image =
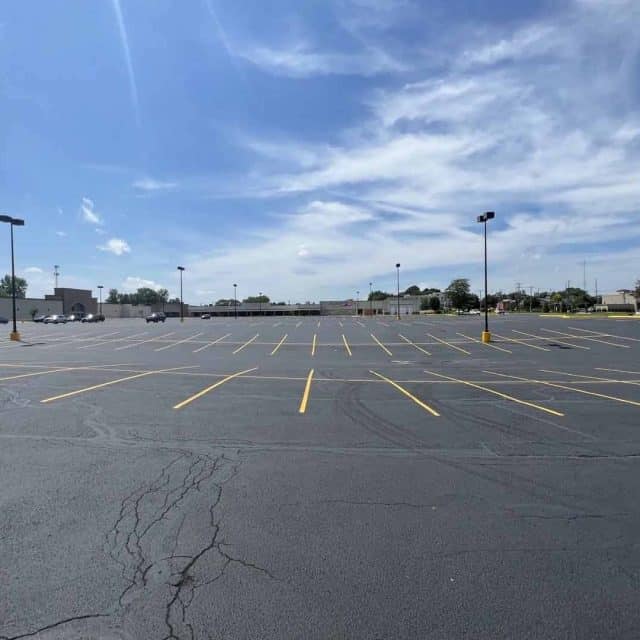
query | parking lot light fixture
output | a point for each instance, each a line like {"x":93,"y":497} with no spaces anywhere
{"x":398,"y":283}
{"x":13,"y":222}
{"x":100,"y":288}
{"x":181,"y":269}
{"x":370,"y":299}
{"x":235,"y":301}
{"x":484,"y":218}
{"x":260,"y":304}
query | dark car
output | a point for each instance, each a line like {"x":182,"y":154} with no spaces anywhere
{"x":4,"y":320}
{"x":93,"y":317}
{"x":75,"y":317}
{"x":156,"y":317}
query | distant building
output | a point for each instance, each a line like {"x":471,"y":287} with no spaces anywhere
{"x":622,"y":300}
{"x":74,"y":300}
{"x":26,"y":308}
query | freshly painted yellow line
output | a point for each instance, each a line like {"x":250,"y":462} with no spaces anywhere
{"x":175,"y":344}
{"x":107,"y":384}
{"x":497,"y":393}
{"x":598,"y":334}
{"x":305,"y":394}
{"x":210,"y":344}
{"x":568,"y":335}
{"x":129,"y":346}
{"x":561,"y":386}
{"x":381,"y":345}
{"x":486,"y":344}
{"x":413,"y":344}
{"x":419,"y":402}
{"x":578,"y":375}
{"x":189,"y":400}
{"x":246,"y":344}
{"x":449,"y":344}
{"x":568,"y":344}
{"x":522,"y":342}
{"x":284,"y":337}
{"x":313,"y":345}
{"x":346,"y":344}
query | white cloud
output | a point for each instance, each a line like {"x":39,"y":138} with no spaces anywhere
{"x":149,"y":184}
{"x":117,"y":246}
{"x":33,"y":270}
{"x":133,"y":283}
{"x":88,"y":212}
{"x":61,"y":234}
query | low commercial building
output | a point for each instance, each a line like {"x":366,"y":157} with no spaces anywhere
{"x":74,"y":300}
{"x":110,"y":310}
{"x":27,"y":308}
{"x":622,"y":300}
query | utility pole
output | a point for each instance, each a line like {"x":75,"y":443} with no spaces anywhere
{"x":56,"y":273}
{"x":584,"y":275}
{"x":530,"y":298}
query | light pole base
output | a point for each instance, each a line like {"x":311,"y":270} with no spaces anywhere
{"x":15,"y":335}
{"x":486,"y":336}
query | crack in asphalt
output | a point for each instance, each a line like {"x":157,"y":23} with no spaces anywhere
{"x":53,"y":625}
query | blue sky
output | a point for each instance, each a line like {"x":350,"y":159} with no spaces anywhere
{"x":302,"y":148}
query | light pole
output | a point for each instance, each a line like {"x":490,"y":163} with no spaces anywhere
{"x":181,"y":269}
{"x":398,"y":282}
{"x":235,"y":301}
{"x":260,"y":304}
{"x":56,"y":273}
{"x":357,"y":300}
{"x":13,"y":222}
{"x":100,"y":287}
{"x":370,"y":299}
{"x":489,"y":215}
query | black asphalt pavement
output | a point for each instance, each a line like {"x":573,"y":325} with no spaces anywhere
{"x":320,"y":478}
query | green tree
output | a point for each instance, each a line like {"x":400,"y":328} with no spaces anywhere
{"x":378,"y":295}
{"x":224,"y":302}
{"x":434,"y":303}
{"x":413,"y":290}
{"x":458,"y":293}
{"x":264,"y":299}
{"x":6,"y":288}
{"x":113,"y":297}
{"x":429,"y":290}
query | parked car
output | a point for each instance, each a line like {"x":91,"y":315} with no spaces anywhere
{"x":4,"y":320}
{"x":474,"y":312}
{"x":75,"y":317}
{"x":156,"y":317}
{"x":205,"y":316}
{"x":56,"y":319}
{"x":40,"y":318}
{"x":93,"y":317}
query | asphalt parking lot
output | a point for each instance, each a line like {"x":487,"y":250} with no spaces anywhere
{"x":321,"y":478}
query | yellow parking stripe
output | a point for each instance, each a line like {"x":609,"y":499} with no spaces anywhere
{"x":210,"y":344}
{"x":453,"y":346}
{"x":402,"y":390}
{"x":486,"y":344}
{"x":568,"y":335}
{"x":597,"y":334}
{"x":135,"y":344}
{"x":578,"y":375}
{"x":206,"y":390}
{"x":107,"y":384}
{"x":413,"y":344}
{"x":522,"y":342}
{"x":305,"y":394}
{"x":346,"y":345}
{"x":497,"y":393}
{"x":175,"y":344}
{"x":561,"y":386}
{"x":246,"y":344}
{"x":568,"y":344}
{"x":313,"y":345}
{"x":39,"y":373}
{"x":381,"y":345}
{"x":284,"y":337}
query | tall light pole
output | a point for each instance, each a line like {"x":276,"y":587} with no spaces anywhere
{"x":489,"y":215}
{"x":357,"y":300}
{"x":13,"y":222}
{"x":260,"y":304}
{"x":235,"y":301}
{"x":398,"y":282}
{"x":370,"y":299}
{"x":100,"y":287}
{"x":56,"y":273}
{"x":181,"y":269}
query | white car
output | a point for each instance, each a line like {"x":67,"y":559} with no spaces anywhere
{"x":474,"y":312}
{"x":56,"y":319}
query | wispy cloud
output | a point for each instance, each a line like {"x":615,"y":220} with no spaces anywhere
{"x":150,"y":184}
{"x":88,"y":212}
{"x":33,"y":270}
{"x":124,"y":39}
{"x":133,"y":283}
{"x":61,"y":234}
{"x":117,"y":246}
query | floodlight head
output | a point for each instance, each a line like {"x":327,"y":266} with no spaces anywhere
{"x":17,"y":222}
{"x":397,"y":265}
{"x":4,"y":218}
{"x":180,"y":268}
